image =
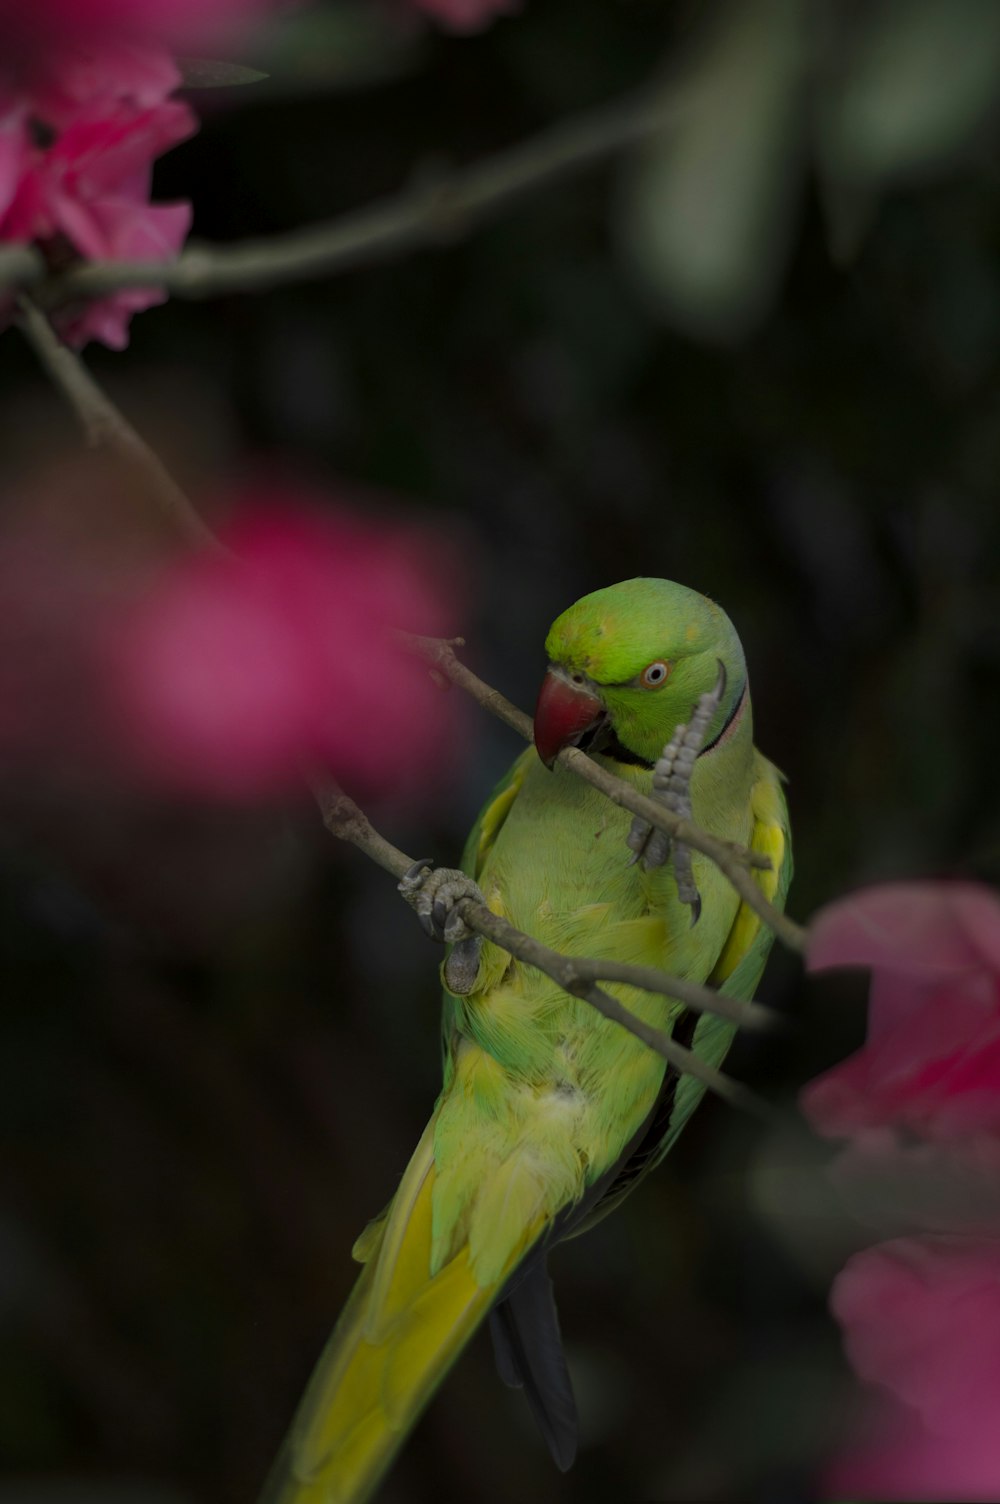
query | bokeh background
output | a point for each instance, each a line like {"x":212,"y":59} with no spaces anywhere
{"x":758,"y":354}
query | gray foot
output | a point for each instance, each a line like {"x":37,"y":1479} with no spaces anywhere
{"x":434,"y":895}
{"x":672,"y":788}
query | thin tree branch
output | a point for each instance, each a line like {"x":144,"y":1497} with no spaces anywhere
{"x":104,"y":425}
{"x":731,"y":859}
{"x":576,"y":975}
{"x":21,"y":266}
{"x":425,"y":214}
{"x":694,"y":995}
{"x":348,"y":822}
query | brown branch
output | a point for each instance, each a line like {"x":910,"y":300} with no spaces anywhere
{"x":103,"y":423}
{"x":425,"y":214}
{"x":733,"y":860}
{"x":104,"y":426}
{"x":695,"y":995}
{"x":439,"y":652}
{"x":21,"y":266}
{"x":576,"y":975}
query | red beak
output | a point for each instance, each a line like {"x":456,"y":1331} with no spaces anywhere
{"x":563,"y":713}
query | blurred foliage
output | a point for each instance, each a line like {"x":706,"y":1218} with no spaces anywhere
{"x":760,"y":356}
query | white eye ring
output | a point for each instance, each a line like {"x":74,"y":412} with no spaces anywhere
{"x":654,"y":674}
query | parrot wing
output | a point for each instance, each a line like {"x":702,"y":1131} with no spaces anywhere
{"x":736,"y":973}
{"x":493,"y":814}
{"x":524,"y":1323}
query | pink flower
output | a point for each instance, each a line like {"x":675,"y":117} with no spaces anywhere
{"x":233,"y":676}
{"x":920,"y":1104}
{"x":86,"y":191}
{"x":921,"y":1319}
{"x":15,"y":150}
{"x":466,"y":15}
{"x":931,"y":1062}
{"x":99,"y":78}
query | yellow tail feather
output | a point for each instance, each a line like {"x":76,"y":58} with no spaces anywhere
{"x":396,"y":1339}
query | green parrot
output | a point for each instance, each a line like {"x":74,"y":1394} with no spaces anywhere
{"x":549,"y":1113}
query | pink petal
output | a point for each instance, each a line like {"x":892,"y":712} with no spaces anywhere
{"x":15,"y":152}
{"x":933,"y":1069}
{"x":977,"y":909}
{"x":917,"y":930}
{"x":142,"y":232}
{"x":77,"y":220}
{"x":107,"y":319}
{"x":101,"y":154}
{"x":931,"y":1062}
{"x":899,"y":1459}
{"x":921,"y":1316}
{"x":100,"y":77}
{"x":29,"y":29}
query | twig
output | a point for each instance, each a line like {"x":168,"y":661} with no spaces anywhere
{"x":425,"y":214}
{"x":344,"y":819}
{"x":348,"y":822}
{"x":732,"y":859}
{"x":576,"y":975}
{"x":21,"y":266}
{"x":694,"y":995}
{"x":439,"y":652}
{"x":104,"y":425}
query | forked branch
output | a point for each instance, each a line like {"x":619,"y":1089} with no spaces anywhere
{"x":577,"y":975}
{"x":733,"y":860}
{"x":428,"y":213}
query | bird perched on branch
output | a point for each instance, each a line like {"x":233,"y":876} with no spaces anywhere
{"x":550,"y":1113}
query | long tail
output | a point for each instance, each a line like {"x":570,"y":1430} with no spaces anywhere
{"x":396,"y":1339}
{"x":529,"y":1354}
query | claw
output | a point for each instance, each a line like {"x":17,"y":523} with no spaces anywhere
{"x":435,"y":894}
{"x":413,"y":877}
{"x":427,"y":924}
{"x":672,"y":787}
{"x":462,"y":966}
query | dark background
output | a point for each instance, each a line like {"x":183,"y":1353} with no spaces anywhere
{"x":221,"y":1030}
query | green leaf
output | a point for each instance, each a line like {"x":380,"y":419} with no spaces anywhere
{"x":342,"y":45}
{"x":707,"y":206}
{"x":208,"y":73}
{"x":920,"y":81}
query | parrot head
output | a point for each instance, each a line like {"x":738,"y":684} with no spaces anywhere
{"x":628,"y":663}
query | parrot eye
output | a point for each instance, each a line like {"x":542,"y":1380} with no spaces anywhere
{"x":655,"y":674}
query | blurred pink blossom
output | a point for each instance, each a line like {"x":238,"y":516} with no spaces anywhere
{"x":32,"y":28}
{"x":920,"y":1106}
{"x":234,"y":675}
{"x":921,"y":1319}
{"x":76,"y":160}
{"x":931,"y":1062}
{"x":98,"y":78}
{"x":466,"y":15}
